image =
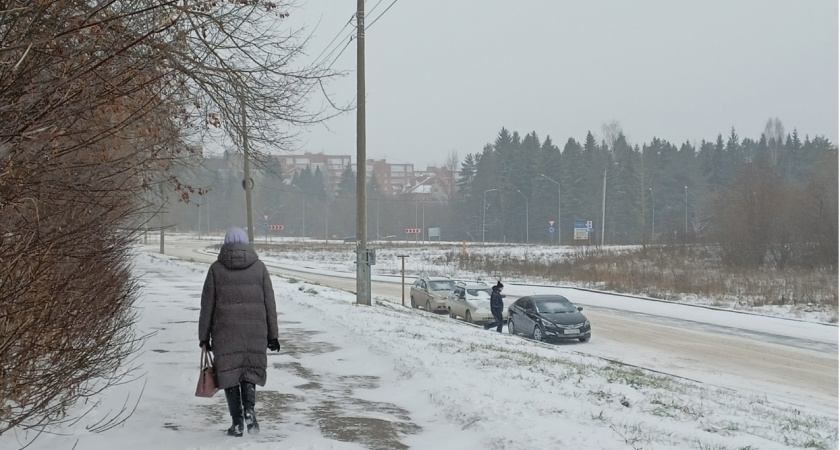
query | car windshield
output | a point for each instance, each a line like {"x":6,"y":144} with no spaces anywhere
{"x":555,"y":306}
{"x":480,"y":293}
{"x":441,"y":285}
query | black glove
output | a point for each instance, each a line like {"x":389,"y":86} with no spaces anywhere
{"x":205,"y":344}
{"x":274,"y":345}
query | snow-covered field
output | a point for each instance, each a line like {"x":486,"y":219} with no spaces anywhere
{"x":386,"y":376}
{"x":435,"y":259}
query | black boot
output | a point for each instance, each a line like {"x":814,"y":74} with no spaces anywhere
{"x":249,"y":399}
{"x":234,"y":401}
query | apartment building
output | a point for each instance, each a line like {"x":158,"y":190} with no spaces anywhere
{"x":331,"y":166}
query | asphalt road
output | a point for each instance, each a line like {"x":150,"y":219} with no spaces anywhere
{"x":785,"y":369}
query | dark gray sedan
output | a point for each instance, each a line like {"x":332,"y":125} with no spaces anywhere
{"x":548,"y":317}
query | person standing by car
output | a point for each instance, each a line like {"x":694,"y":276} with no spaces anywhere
{"x":496,"y":307}
{"x":238,"y":318}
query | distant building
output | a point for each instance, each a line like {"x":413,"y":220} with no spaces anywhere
{"x":331,"y":166}
{"x":433,"y":184}
{"x":392,"y":178}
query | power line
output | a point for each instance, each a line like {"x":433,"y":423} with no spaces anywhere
{"x":349,"y":21}
{"x":374,"y":7}
{"x":379,"y":16}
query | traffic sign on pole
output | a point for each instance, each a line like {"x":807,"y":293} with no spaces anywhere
{"x":551,"y":229}
{"x":551,"y":223}
{"x":275,"y":227}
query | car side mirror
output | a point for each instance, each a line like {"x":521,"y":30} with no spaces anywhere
{"x":462,"y":297}
{"x":580,"y":308}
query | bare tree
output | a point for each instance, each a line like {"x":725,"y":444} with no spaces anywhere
{"x":612,"y":131}
{"x":745,"y":214}
{"x":774,"y":132}
{"x":99,"y":104}
{"x":451,"y":164}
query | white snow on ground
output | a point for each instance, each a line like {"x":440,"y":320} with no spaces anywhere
{"x":441,"y":384}
{"x":435,"y":258}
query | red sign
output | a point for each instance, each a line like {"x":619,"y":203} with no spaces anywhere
{"x":412,"y":231}
{"x":275,"y":227}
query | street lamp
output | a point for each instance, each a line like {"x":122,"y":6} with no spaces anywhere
{"x":686,"y":215}
{"x":604,"y":208}
{"x":653,"y":220}
{"x":559,"y":221}
{"x":526,"y":215}
{"x":423,"y":230}
{"x":303,"y":234}
{"x":484,"y":213}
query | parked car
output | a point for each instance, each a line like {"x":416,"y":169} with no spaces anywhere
{"x":471,"y":300}
{"x":430,"y":293}
{"x":548,"y":317}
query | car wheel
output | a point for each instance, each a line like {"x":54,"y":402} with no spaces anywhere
{"x":412,"y":303}
{"x":451,"y":316}
{"x":468,"y":317}
{"x":584,"y":339}
{"x":428,"y":306}
{"x":538,"y":334}
{"x":510,"y":327}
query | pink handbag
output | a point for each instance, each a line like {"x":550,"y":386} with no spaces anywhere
{"x":207,"y":386}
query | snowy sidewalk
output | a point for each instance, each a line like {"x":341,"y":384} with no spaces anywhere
{"x":318,"y":394}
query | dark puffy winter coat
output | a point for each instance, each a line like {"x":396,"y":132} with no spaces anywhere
{"x":496,"y":301}
{"x":238,"y":314}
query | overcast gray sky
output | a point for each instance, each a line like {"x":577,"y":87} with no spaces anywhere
{"x":446,"y":75}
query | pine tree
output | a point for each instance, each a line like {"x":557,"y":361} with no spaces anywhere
{"x":347,"y":185}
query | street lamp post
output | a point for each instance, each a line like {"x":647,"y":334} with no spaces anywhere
{"x":526,"y":215}
{"x":686,"y":215}
{"x":423,"y":231}
{"x":604,"y":208}
{"x":303,"y":233}
{"x":559,"y":220}
{"x":653,"y":220}
{"x":484,"y":213}
{"x":326,"y":218}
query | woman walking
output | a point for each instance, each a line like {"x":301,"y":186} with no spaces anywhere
{"x":239,"y":320}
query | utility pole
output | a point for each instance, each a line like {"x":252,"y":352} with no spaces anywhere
{"x":165,"y":199}
{"x":247,"y":183}
{"x":364,"y":258}
{"x":162,"y":226}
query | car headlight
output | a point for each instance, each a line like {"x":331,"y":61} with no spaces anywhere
{"x":586,"y":324}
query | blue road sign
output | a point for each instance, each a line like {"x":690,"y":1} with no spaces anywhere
{"x":265,"y":225}
{"x":551,"y":229}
